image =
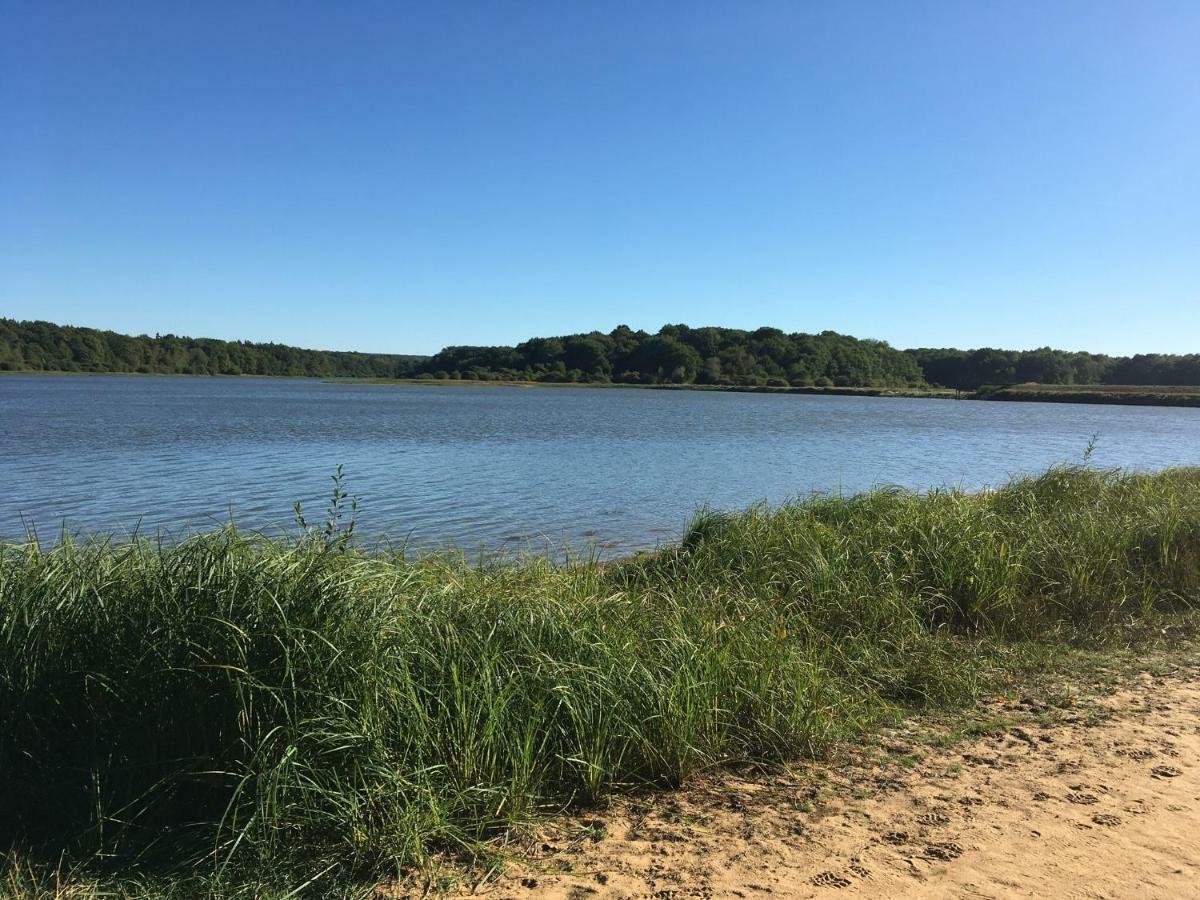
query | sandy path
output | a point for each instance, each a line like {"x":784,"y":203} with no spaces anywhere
{"x":1086,"y":806}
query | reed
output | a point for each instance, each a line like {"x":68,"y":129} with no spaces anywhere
{"x":231,"y":713}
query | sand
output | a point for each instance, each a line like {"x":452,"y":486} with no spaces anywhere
{"x":1102,"y":801}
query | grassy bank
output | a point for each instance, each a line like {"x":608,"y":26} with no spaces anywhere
{"x":939,"y":393}
{"x":1140,"y":395}
{"x":1133,"y":394}
{"x":234,"y":715}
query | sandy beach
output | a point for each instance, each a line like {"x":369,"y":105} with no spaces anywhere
{"x":1096,"y":801}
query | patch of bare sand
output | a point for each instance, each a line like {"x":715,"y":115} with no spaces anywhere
{"x":1087,"y":806}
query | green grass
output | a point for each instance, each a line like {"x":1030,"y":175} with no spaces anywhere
{"x":235,"y":716}
{"x":1137,"y":394}
{"x":917,"y":392}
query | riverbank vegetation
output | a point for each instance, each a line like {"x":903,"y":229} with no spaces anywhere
{"x":46,"y":347}
{"x":676,"y":355}
{"x":970,"y":370}
{"x":1141,"y":395}
{"x":919,"y":392}
{"x":230,"y":715}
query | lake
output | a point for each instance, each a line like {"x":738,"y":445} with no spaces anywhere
{"x":503,"y":467}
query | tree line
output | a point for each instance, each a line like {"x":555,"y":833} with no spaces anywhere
{"x":46,"y":347}
{"x":676,"y":354}
{"x":970,"y":370}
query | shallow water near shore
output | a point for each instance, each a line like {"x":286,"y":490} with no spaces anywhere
{"x":486,"y":468}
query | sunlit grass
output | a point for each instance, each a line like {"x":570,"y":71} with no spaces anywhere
{"x":232,"y":713}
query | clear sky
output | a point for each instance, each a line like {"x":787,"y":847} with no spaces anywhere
{"x":391,"y":176}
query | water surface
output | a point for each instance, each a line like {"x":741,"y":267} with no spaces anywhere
{"x":495,"y":467}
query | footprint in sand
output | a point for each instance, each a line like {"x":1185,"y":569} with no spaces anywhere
{"x":1140,"y":755}
{"x":1083,"y":799}
{"x":1107,"y":819}
{"x":933,"y":818}
{"x":1166,"y":772}
{"x":896,"y":837}
{"x":945,"y":851}
{"x":860,"y":871}
{"x":830,"y":879}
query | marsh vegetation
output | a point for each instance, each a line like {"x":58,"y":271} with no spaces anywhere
{"x":234,"y":714}
{"x":1128,"y":394}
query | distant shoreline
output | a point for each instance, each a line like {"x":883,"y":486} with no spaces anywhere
{"x":1108,"y":394}
{"x":938,"y":393}
{"x":1131,"y":395}
{"x":926,"y":393}
{"x":58,"y":373}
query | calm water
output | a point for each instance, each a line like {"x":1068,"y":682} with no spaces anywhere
{"x":504,"y":467}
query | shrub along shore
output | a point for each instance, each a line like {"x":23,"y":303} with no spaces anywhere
{"x":1125,"y":394}
{"x":231,"y":714}
{"x":921,"y":392}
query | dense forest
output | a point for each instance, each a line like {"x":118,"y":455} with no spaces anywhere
{"x":677,"y":354}
{"x":681,"y":355}
{"x":45,"y":347}
{"x":768,"y":356}
{"x":969,"y":370}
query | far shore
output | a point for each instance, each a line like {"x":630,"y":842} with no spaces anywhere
{"x":1141,"y":395}
{"x":1117,"y":394}
{"x":1120,"y":394}
{"x":61,"y":373}
{"x":940,"y":393}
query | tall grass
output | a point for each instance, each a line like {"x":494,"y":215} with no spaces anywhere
{"x":256,"y":710}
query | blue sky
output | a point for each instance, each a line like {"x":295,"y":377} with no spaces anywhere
{"x":397,"y":177}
